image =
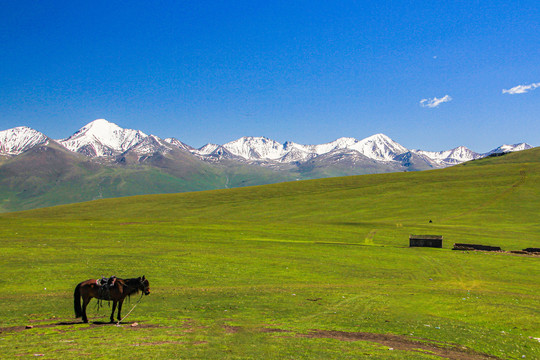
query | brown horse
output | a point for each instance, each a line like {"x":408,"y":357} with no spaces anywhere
{"x":117,"y":293}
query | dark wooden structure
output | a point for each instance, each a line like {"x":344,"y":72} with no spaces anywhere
{"x":434,"y":241}
{"x":458,"y":246}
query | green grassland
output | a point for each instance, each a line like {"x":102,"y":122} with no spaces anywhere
{"x":301,"y":270}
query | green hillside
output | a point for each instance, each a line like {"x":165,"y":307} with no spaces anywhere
{"x":50,"y":175}
{"x":306,"y":270}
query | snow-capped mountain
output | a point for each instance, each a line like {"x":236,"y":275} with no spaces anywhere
{"x":449,"y":157}
{"x":178,"y":144}
{"x":377,"y":147}
{"x":215,"y":152}
{"x":256,"y":148}
{"x":17,"y":140}
{"x":208,"y":149}
{"x":509,"y":148}
{"x":149,"y":145}
{"x":103,"y":138}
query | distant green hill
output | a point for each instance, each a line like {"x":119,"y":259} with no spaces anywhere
{"x":317,"y":269}
{"x":50,"y":175}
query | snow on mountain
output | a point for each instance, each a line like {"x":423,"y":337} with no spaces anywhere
{"x":207,"y":149}
{"x":509,"y":148}
{"x":178,"y":144}
{"x":379,"y":147}
{"x":450,"y":157}
{"x":215,"y":152}
{"x":150,"y":145}
{"x":256,"y":148}
{"x":341,"y":143}
{"x":103,"y":138}
{"x":17,"y":140}
{"x":296,"y":152}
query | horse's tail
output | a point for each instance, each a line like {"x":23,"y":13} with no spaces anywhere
{"x":77,"y":301}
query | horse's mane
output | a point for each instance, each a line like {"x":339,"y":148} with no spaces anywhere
{"x":130,"y":285}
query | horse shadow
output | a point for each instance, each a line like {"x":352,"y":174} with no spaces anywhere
{"x":68,"y":323}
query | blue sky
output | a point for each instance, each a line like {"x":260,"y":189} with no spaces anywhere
{"x":429,"y":75}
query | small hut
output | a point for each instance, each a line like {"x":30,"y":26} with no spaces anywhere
{"x":434,"y":241}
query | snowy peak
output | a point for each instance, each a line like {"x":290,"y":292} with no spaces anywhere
{"x":208,"y":149}
{"x":256,"y":148}
{"x":461,"y":153}
{"x":449,"y":157}
{"x":509,"y":148}
{"x":379,"y":147}
{"x":17,"y":140}
{"x":214,"y":152}
{"x":177,"y":143}
{"x":103,"y":138}
{"x":150,"y":145}
{"x":341,"y":143}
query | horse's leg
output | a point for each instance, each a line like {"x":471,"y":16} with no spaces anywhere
{"x":86,"y":300}
{"x":120,"y":302}
{"x":113,"y":308}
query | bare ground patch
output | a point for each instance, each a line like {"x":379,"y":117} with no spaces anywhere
{"x":159,"y":343}
{"x":230,"y":329}
{"x":397,"y":342}
{"x":403,"y":343}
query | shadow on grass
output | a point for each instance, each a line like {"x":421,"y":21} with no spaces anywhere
{"x":131,"y":324}
{"x":91,"y":323}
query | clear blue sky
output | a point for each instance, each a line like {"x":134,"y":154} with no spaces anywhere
{"x":304,"y":71}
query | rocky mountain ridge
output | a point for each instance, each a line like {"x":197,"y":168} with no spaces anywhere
{"x":101,"y":138}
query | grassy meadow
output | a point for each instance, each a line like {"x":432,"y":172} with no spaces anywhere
{"x":301,"y":270}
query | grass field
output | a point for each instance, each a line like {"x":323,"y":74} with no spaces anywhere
{"x":303,"y":270}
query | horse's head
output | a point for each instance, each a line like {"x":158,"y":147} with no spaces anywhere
{"x":144,"y":285}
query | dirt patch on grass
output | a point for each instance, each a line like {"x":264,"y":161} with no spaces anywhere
{"x":273,"y":330}
{"x":398,"y":342}
{"x":394,"y":342}
{"x":159,"y":343}
{"x":165,"y":342}
{"x":230,"y":329}
{"x":12,"y":329}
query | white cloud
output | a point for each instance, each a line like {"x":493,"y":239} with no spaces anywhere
{"x":433,"y":103}
{"x":521,"y":89}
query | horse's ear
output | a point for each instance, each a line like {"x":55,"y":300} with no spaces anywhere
{"x":143,"y":277}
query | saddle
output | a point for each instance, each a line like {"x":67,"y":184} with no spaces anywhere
{"x":105,"y":286}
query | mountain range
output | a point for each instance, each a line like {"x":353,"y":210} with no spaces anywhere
{"x":104,"y":160}
{"x":101,"y":138}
